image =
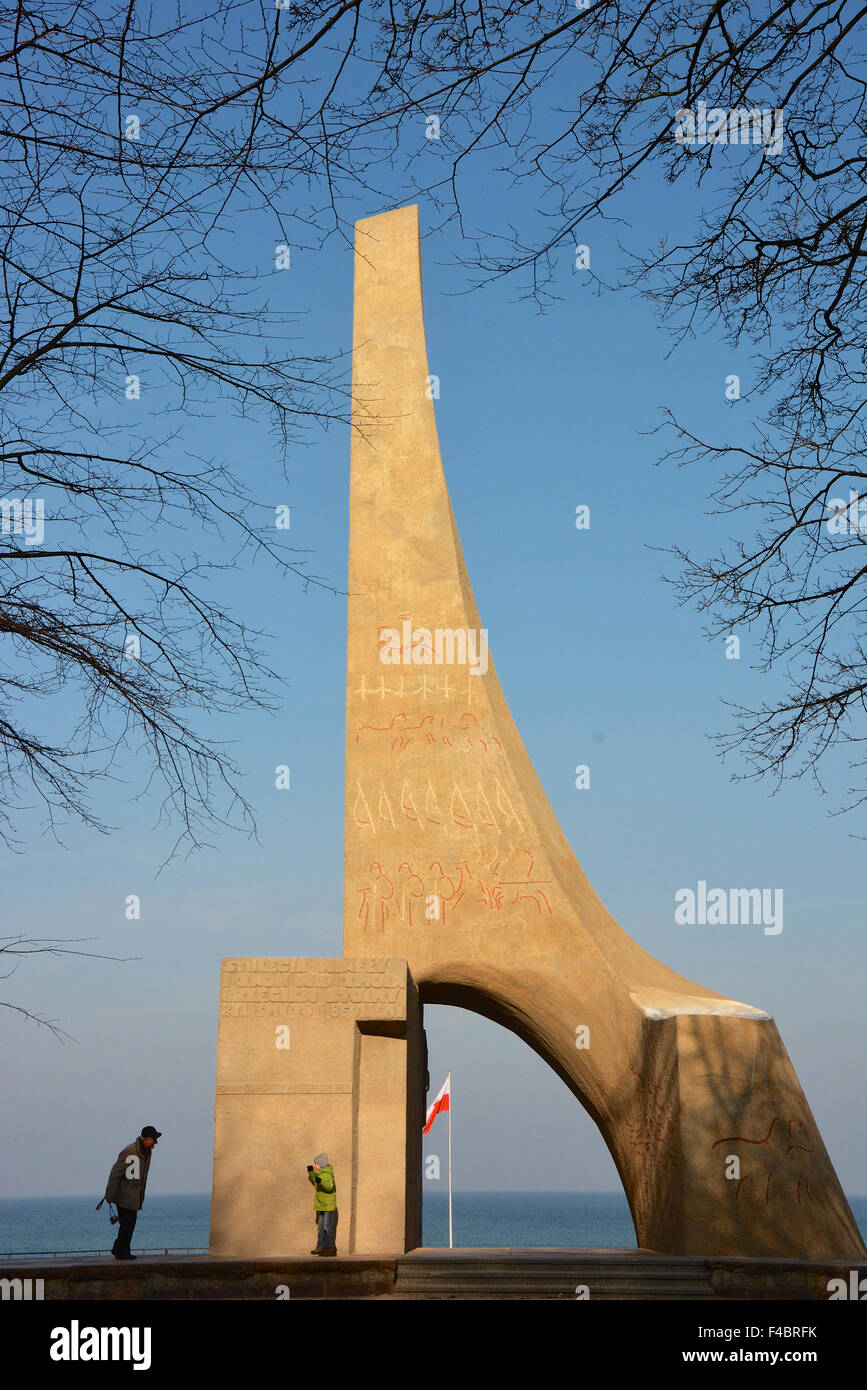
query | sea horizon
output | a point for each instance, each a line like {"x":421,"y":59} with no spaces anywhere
{"x":493,"y":1218}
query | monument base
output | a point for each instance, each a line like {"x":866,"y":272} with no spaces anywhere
{"x":607,"y":1275}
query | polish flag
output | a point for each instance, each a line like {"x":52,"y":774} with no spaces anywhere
{"x":441,"y":1103}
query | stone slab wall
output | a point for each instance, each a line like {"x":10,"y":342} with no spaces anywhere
{"x":312,"y":1055}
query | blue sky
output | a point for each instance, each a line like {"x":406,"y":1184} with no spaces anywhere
{"x":537,"y":414}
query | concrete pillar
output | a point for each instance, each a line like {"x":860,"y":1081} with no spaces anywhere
{"x":316,"y":1055}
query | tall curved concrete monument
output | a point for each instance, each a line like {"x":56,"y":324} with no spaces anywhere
{"x":460,"y":888}
{"x":455,"y":862}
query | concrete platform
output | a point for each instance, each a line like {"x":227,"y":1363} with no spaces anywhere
{"x":430,"y":1274}
{"x":205,"y":1277}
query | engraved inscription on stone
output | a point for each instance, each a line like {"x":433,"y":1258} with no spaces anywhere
{"x":284,"y":1010}
{"x":271,"y":965}
{"x":263,"y":988}
{"x":290,"y":1088}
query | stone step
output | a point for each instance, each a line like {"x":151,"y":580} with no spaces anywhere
{"x":517,"y":1278}
{"x":606,"y":1274}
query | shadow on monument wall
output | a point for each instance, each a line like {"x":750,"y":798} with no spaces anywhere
{"x":772,"y":1179}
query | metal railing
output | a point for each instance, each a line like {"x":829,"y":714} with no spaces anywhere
{"x":79,"y":1254}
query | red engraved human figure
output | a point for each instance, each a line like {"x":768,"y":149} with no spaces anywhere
{"x":450,"y":888}
{"x":377,"y":898}
{"x":410,"y":887}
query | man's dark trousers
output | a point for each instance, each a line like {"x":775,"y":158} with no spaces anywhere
{"x":126,"y":1223}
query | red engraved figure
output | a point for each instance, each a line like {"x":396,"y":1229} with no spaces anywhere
{"x":403,"y":729}
{"x":411,"y":886}
{"x":766,"y":1154}
{"x":516,"y":884}
{"x":376,"y":898}
{"x":651,"y":1131}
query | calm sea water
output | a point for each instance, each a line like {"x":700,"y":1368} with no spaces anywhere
{"x":588,"y":1220}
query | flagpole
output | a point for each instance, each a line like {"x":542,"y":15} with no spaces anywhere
{"x":451,"y":1239}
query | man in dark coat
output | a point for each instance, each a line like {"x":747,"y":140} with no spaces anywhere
{"x":126,"y":1187}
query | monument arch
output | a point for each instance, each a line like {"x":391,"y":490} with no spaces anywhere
{"x":455,"y":862}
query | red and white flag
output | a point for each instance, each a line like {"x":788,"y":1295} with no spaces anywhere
{"x":441,"y":1103}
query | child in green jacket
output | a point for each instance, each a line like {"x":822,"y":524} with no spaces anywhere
{"x":321,"y":1174}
